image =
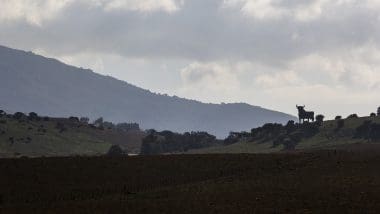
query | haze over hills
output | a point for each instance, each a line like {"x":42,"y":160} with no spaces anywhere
{"x":30,"y":82}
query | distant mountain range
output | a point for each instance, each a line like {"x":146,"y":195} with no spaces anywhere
{"x":29,"y":82}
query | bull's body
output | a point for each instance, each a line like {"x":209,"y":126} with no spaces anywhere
{"x":304,"y":115}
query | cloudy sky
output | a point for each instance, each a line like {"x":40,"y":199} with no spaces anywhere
{"x":272,"y":53}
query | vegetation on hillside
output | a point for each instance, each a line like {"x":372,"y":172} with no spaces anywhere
{"x":168,"y":142}
{"x":33,"y":135}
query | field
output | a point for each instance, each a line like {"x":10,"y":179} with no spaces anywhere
{"x":344,"y":180}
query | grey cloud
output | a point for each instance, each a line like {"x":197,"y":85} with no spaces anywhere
{"x":200,"y":30}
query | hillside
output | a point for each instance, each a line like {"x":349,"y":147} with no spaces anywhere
{"x":31,"y":82}
{"x":327,"y":136}
{"x":61,"y":137}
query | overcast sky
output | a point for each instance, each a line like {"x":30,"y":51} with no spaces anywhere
{"x":271,"y":53}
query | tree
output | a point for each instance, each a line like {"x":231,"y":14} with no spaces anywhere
{"x":319,"y":119}
{"x":352,"y":116}
{"x":33,"y":116}
{"x":290,"y":126}
{"x":84,"y":120}
{"x":372,"y":114}
{"x":98,"y":122}
{"x":2,"y":113}
{"x":19,"y":115}
{"x":116,"y":151}
{"x":378,"y":111}
{"x":338,"y":117}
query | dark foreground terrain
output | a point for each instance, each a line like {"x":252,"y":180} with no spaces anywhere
{"x":340,"y":180}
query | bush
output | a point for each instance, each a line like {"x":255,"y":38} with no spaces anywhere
{"x":84,"y":120}
{"x":338,"y":117}
{"x":116,"y":151}
{"x":231,"y":139}
{"x":319,"y":119}
{"x":33,"y":116}
{"x":167,"y":141}
{"x":352,"y":116}
{"x":290,"y":126}
{"x":372,"y":114}
{"x":19,"y":116}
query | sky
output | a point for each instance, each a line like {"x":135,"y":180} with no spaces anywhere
{"x":270,"y":53}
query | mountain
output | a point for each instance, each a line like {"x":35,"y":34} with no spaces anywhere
{"x":31,"y":82}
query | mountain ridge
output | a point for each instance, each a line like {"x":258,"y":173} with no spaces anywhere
{"x":32,"y":82}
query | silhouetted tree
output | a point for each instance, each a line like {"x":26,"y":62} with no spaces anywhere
{"x":84,"y":120}
{"x":19,"y":115}
{"x":232,"y":138}
{"x":372,"y":114}
{"x":33,"y":116}
{"x":352,"y":116}
{"x":319,"y":119}
{"x":290,"y":126}
{"x":2,"y":113}
{"x":338,"y":117}
{"x":98,"y":122}
{"x":378,"y":111}
{"x":115,"y":151}
{"x":108,"y":125}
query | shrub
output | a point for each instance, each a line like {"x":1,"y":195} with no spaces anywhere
{"x":290,"y":126}
{"x":338,"y":117}
{"x":116,"y":151}
{"x":84,"y":120}
{"x":319,"y":119}
{"x":309,"y":129}
{"x":98,"y":122}
{"x":231,"y":139}
{"x":19,"y":116}
{"x":33,"y":116}
{"x":352,"y":116}
{"x":372,"y":114}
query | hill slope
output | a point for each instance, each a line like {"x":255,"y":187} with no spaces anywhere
{"x":61,"y":137}
{"x":327,"y":137}
{"x":31,"y":82}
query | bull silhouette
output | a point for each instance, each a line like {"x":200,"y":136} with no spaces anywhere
{"x":304,"y":115}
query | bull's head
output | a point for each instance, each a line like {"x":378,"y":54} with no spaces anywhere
{"x":300,"y":107}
